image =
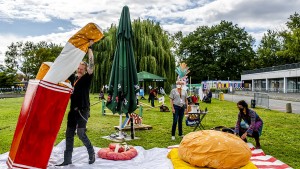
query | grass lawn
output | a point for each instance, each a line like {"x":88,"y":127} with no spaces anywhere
{"x":280,"y":136}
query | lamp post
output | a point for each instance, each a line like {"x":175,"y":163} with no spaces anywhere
{"x":228,"y":81}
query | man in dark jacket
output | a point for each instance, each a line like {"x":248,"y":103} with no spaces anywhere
{"x":80,"y":109}
{"x":152,"y":96}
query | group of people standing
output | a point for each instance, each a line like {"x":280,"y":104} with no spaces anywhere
{"x":248,"y":122}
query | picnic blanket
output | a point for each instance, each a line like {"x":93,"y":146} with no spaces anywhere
{"x":258,"y":158}
{"x":146,"y":159}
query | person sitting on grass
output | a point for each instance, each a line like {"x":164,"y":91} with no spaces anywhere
{"x":251,"y":125}
{"x":207,"y":97}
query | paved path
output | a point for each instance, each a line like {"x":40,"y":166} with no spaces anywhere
{"x":279,"y":105}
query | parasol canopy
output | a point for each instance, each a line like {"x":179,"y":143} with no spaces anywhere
{"x":123,"y":83}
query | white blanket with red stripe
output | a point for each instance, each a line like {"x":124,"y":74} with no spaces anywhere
{"x":263,"y":161}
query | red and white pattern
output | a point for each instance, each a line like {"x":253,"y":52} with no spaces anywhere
{"x":136,"y":119}
{"x":263,"y":161}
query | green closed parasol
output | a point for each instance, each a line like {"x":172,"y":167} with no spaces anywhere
{"x":123,"y":83}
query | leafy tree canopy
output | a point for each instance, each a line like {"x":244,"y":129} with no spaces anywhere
{"x":27,"y":57}
{"x":218,"y":52}
{"x":152,"y":52}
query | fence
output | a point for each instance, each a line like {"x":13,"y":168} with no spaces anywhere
{"x":217,"y":92}
{"x":262,"y":99}
{"x":273,"y":68}
{"x":13,"y":95}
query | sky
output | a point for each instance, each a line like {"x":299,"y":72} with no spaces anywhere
{"x":57,"y":20}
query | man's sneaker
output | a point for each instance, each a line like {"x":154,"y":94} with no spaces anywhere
{"x":173,"y":137}
{"x":181,"y":136}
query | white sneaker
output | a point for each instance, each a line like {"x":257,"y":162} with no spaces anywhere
{"x":181,"y":136}
{"x":173,"y":137}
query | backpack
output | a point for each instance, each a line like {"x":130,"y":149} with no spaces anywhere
{"x":224,"y":129}
{"x":194,"y":99}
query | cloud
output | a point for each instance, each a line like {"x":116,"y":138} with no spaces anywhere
{"x":61,"y":28}
{"x":256,"y":16}
{"x":6,"y":40}
{"x":57,"y":38}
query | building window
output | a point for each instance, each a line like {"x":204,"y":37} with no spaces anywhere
{"x":276,"y":85}
{"x":292,"y":85}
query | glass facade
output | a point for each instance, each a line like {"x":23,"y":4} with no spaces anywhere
{"x":298,"y":84}
{"x":259,"y":85}
{"x":275,"y":80}
{"x":293,"y":85}
{"x":276,"y":85}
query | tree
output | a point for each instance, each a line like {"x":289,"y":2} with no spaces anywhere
{"x":152,"y":51}
{"x":12,"y":55}
{"x":176,"y":39}
{"x":291,"y":44}
{"x":267,"y":51}
{"x":218,"y":52}
{"x":294,"y":21}
{"x":6,"y":78}
{"x":27,"y":57}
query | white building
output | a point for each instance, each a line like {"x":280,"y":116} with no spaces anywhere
{"x":284,"y":79}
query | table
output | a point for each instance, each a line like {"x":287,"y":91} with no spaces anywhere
{"x":199,"y":116}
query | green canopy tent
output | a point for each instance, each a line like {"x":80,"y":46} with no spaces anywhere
{"x":149,"y":77}
{"x":146,"y":76}
{"x":123,"y":83}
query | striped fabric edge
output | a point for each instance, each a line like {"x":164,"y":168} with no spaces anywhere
{"x":55,"y":87}
{"x":266,"y":158}
{"x":34,"y":82}
{"x":13,"y":165}
{"x":263,"y":161}
{"x":269,"y":162}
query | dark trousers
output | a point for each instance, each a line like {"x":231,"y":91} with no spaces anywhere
{"x":151,"y":98}
{"x":77,"y":119}
{"x":255,"y":135}
{"x":177,"y":118}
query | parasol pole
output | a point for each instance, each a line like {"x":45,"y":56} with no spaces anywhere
{"x":131,"y":127}
{"x":120,"y":128}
